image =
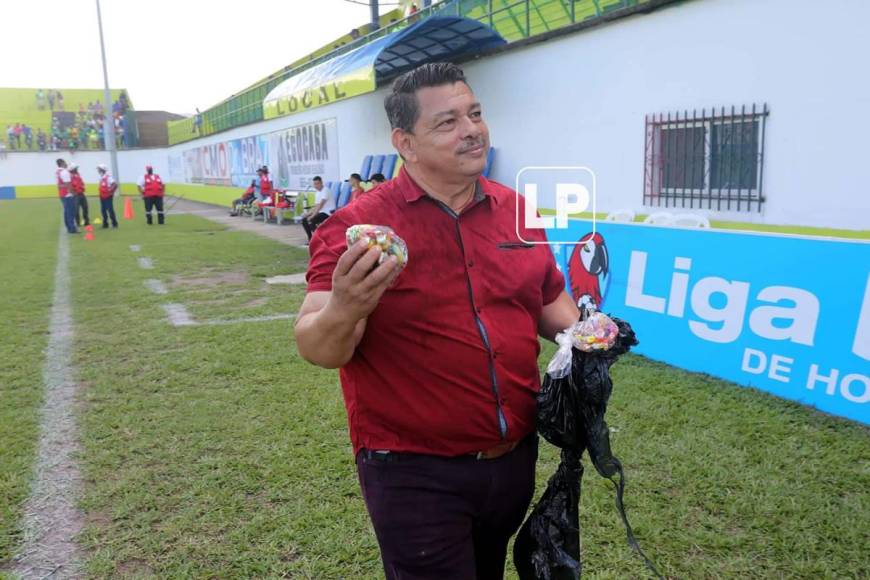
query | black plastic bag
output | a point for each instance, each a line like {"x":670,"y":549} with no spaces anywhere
{"x":548,"y":545}
{"x":571,"y":410}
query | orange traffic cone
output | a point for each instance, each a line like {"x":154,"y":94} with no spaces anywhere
{"x":89,"y":228}
{"x":128,"y":208}
{"x":89,"y":234}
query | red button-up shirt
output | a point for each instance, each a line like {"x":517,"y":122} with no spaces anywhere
{"x":448,"y":362}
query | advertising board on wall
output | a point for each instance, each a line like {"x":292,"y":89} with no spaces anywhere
{"x":788,"y":315}
{"x":294,"y":156}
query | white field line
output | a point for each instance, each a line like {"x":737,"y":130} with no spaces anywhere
{"x":51,"y":518}
{"x":156,"y":286}
{"x":178,"y":315}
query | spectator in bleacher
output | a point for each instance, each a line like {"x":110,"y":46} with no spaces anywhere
{"x":77,"y":184}
{"x":324,"y":205}
{"x":124,"y":102}
{"x":28,"y":137}
{"x":40,"y":99}
{"x":356,"y":188}
{"x":197,"y":122}
{"x":122,"y":123}
{"x":18,"y":132}
{"x":377,"y":179}
{"x":59,"y":98}
{"x":93,"y":139}
{"x":152,"y":189}
{"x":445,"y":445}
{"x":67,"y":197}
{"x":41,"y":139}
{"x":108,"y":186}
{"x":51,"y":99}
{"x":10,"y":136}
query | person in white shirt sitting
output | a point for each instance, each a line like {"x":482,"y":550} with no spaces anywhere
{"x":324,"y":205}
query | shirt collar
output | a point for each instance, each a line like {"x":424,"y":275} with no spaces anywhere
{"x":412,"y":192}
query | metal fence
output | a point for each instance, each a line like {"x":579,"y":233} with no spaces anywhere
{"x":706,"y":160}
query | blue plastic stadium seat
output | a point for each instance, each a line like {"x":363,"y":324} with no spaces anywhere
{"x":366,"y":169}
{"x":490,"y":156}
{"x":344,"y":195}
{"x":377,"y":165}
{"x":389,"y":165}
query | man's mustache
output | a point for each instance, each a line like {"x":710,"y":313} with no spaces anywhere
{"x":469,"y":145}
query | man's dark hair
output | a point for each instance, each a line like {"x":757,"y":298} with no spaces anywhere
{"x":60,"y":162}
{"x":317,"y":178}
{"x":378,"y":178}
{"x":356,"y":176}
{"x":401,"y":104}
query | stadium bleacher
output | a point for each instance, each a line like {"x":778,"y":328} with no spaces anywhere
{"x":19,"y":105}
{"x":512,"y":19}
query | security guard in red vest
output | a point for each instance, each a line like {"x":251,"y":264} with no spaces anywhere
{"x":152,"y":189}
{"x":77,"y":184}
{"x":108,"y":187}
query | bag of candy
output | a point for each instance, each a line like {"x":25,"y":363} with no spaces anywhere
{"x":382,"y":237}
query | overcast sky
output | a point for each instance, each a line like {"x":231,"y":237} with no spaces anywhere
{"x":170,"y":55}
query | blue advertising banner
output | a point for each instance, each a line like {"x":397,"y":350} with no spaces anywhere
{"x":785,"y":314}
{"x":246,"y":156}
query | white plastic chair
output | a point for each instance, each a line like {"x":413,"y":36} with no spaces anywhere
{"x":620,"y":215}
{"x":691,"y":220}
{"x":660,"y":218}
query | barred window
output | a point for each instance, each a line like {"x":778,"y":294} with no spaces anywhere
{"x":708,"y":161}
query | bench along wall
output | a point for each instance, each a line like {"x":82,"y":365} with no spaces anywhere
{"x":785,"y":314}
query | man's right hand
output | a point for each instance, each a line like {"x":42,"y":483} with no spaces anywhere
{"x":358,"y":282}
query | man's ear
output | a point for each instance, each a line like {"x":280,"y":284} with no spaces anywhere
{"x":405,"y":144}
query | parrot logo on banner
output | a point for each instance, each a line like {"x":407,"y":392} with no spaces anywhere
{"x":589,"y":270}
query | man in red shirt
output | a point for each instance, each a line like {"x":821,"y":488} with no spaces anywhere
{"x":439,"y":360}
{"x":78,"y":188}
{"x":152,"y":189}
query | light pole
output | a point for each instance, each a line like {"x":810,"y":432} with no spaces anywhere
{"x":108,"y":128}
{"x":375,"y":18}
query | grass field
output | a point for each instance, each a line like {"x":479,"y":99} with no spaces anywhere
{"x":215,"y":451}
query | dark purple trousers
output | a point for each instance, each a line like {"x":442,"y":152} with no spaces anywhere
{"x":446,"y":517}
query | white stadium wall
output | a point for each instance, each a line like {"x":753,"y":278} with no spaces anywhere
{"x":21,"y":169}
{"x":581,"y":99}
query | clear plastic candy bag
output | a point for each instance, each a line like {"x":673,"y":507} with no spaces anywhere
{"x":382,"y":237}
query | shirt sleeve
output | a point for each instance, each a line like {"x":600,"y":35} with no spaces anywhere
{"x":554,"y":281}
{"x":327,"y":246}
{"x":65,"y":176}
{"x":141,"y":182}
